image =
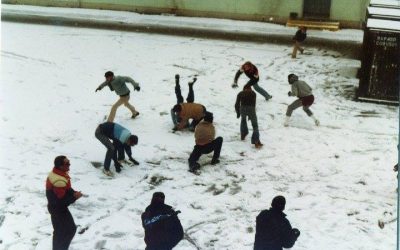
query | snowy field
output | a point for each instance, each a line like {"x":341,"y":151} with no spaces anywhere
{"x":337,"y":178}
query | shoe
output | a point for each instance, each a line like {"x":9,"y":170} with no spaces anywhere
{"x":108,"y":173}
{"x":286,"y":123}
{"x":193,"y":168}
{"x":301,"y":51}
{"x":258,"y":144}
{"x":316,"y":122}
{"x":134,"y":116}
{"x":268,"y":98}
{"x":135,"y":162}
{"x":214,"y":161}
{"x":118,"y":167}
{"x":242,"y":137}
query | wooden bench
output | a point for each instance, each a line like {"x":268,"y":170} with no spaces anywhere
{"x":321,"y":25}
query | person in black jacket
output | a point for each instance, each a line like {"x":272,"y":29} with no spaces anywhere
{"x":60,"y":195}
{"x":245,"y":106}
{"x":162,"y":228}
{"x":298,"y":38}
{"x":273,"y":230}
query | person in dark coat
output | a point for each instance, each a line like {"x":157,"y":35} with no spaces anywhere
{"x":273,"y":230}
{"x":162,"y":227}
{"x":298,"y":39}
{"x":245,"y":106}
{"x":60,"y":195}
{"x":116,"y":139}
{"x":251,"y":71}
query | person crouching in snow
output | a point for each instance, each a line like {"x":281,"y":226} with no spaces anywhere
{"x":205,"y":143}
{"x":118,"y":84}
{"x":298,"y":38}
{"x":245,"y":106}
{"x":116,"y":139}
{"x":305,"y":98}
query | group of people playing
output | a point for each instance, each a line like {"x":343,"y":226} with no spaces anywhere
{"x":161,"y":224}
{"x":162,"y":227}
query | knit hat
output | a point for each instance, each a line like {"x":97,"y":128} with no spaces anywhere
{"x":208,"y":117}
{"x":158,"y":197}
{"x":109,"y":74}
{"x":278,"y":203}
{"x":292,"y":78}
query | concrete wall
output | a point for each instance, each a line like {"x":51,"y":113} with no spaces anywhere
{"x":350,"y":15}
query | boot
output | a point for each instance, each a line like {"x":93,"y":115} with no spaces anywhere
{"x":258,"y":144}
{"x":214,"y":161}
{"x":108,"y":173}
{"x":286,"y":123}
{"x":134,"y":116}
{"x":117,"y":167}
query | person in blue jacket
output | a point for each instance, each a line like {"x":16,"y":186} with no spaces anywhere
{"x":116,"y":139}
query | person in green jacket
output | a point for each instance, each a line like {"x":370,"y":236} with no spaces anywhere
{"x":118,"y":84}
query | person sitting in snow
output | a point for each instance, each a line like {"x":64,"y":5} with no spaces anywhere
{"x":116,"y":139}
{"x":182,"y":112}
{"x":205,"y":143}
{"x":245,"y":106}
{"x":60,"y":195}
{"x":273,"y":230}
{"x":118,"y":84}
{"x":298,"y":38}
{"x":251,"y":72}
{"x":162,"y":227}
{"x":305,"y":98}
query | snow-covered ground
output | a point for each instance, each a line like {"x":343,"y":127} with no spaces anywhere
{"x":337,"y":178}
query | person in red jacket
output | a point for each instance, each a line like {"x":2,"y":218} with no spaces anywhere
{"x":60,"y":195}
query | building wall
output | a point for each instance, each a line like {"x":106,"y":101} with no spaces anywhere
{"x":350,"y":15}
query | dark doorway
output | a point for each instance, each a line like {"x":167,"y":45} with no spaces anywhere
{"x":317,"y":8}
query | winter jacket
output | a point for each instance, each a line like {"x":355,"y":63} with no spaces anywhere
{"x":300,"y":36}
{"x":190,"y":111}
{"x":273,"y":231}
{"x":115,"y":132}
{"x":249,"y":69}
{"x":246,"y":97}
{"x":162,"y":227}
{"x":59,"y":192}
{"x":300,"y":89}
{"x":118,"y":84}
{"x":204,"y":133}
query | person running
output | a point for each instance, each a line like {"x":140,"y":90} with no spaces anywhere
{"x":118,"y":84}
{"x":245,"y":106}
{"x":116,"y":139}
{"x":303,"y":92}
{"x":162,"y":227}
{"x":60,"y":195}
{"x":273,"y":230}
{"x":182,"y":112}
{"x":251,"y":72}
{"x":298,"y":39}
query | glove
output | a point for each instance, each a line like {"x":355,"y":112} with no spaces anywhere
{"x":238,"y":115}
{"x":296,"y":232}
{"x":177,"y":77}
{"x":234,"y":85}
{"x":135,"y":162}
{"x":98,"y":89}
{"x":289,"y":93}
{"x":137,"y":88}
{"x":193,"y":81}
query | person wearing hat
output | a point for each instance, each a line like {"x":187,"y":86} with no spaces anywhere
{"x":116,"y":139}
{"x":60,"y":195}
{"x":303,"y":92}
{"x":273,"y":230}
{"x":205,"y":142}
{"x":298,"y":38}
{"x":162,"y":227}
{"x":251,"y":72}
{"x":245,"y":106}
{"x":118,"y":84}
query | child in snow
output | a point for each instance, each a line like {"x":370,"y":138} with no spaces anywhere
{"x":205,"y":143}
{"x":162,"y":227}
{"x":116,"y":139}
{"x":245,"y":106}
{"x":305,"y":98}
{"x":182,"y":112}
{"x":118,"y":84}
{"x":251,"y":72}
{"x":60,"y":195}
{"x":273,"y":230}
{"x":298,"y":38}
